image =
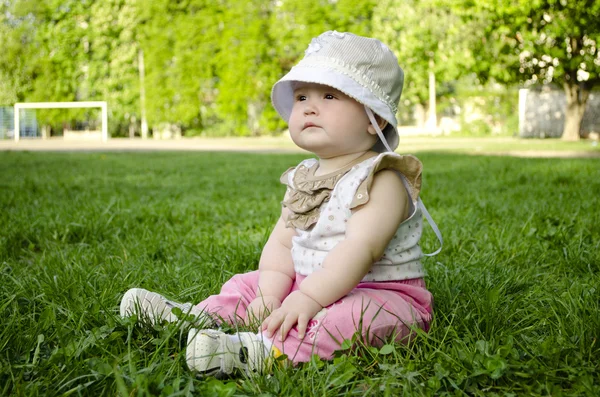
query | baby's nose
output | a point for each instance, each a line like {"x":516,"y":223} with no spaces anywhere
{"x":309,"y":108}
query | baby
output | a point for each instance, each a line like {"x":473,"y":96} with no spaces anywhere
{"x":344,"y":257}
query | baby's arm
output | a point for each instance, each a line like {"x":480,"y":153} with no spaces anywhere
{"x":276,"y":270}
{"x":368,"y":232}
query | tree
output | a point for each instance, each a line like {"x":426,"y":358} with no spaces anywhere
{"x":244,"y":66}
{"x":47,"y":63}
{"x":41,"y":41}
{"x":425,"y":36}
{"x":110,"y":66}
{"x":295,"y":22}
{"x":67,"y":50}
{"x":540,"y":42}
{"x":15,"y":35}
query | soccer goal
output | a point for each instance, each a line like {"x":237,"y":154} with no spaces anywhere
{"x":62,"y":105}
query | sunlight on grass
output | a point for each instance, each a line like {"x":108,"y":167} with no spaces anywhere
{"x":517,"y":286}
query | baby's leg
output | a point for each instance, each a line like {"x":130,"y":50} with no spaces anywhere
{"x":231,"y":302}
{"x":377,"y":313}
{"x":155,"y":308}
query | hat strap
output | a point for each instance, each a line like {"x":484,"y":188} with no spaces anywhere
{"x":435,"y":228}
{"x":377,"y":129}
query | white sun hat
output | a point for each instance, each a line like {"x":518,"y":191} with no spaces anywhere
{"x":360,"y":67}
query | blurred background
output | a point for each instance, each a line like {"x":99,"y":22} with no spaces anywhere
{"x":182,"y":68}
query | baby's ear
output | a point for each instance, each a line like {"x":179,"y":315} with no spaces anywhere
{"x":380,"y":121}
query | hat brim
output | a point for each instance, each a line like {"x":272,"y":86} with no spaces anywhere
{"x":282,"y":96}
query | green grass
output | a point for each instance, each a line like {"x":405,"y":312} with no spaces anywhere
{"x":517,"y":286}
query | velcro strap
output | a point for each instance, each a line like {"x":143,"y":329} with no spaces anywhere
{"x":226,"y":352}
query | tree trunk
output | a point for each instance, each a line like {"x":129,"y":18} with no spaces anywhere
{"x":144,"y":128}
{"x":420,"y":115}
{"x":431,"y":123}
{"x":577,"y":96}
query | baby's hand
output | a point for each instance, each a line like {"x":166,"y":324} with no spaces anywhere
{"x":297,"y":308}
{"x":260,"y":307}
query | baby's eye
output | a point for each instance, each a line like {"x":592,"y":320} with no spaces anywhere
{"x":329,"y":96}
{"x":301,"y":97}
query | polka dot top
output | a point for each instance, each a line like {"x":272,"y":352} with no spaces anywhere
{"x":320,"y":207}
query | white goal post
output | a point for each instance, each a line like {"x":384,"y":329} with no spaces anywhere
{"x":63,"y":105}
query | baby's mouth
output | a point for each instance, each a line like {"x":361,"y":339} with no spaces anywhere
{"x":309,"y":124}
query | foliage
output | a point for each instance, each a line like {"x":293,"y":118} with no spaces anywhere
{"x":210,"y":65}
{"x":517,"y":286}
{"x":538,"y":42}
{"x":424,"y":34}
{"x":486,"y":109}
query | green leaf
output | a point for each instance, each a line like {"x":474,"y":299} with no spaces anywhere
{"x":387,"y":349}
{"x":346,"y":344}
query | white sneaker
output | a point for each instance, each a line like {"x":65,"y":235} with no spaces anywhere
{"x":215,"y":353}
{"x":157,"y":308}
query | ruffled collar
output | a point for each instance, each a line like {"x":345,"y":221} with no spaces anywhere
{"x":311,"y":191}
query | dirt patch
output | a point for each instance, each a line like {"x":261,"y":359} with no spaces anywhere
{"x":544,"y":154}
{"x":492,"y":146}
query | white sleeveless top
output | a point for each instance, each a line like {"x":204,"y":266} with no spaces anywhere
{"x":402,"y":257}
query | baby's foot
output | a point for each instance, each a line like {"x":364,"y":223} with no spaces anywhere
{"x":157,"y":308}
{"x":214,"y":353}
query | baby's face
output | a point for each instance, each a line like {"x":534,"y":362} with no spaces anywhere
{"x":327,"y":122}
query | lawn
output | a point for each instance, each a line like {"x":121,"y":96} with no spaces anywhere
{"x":517,"y":286}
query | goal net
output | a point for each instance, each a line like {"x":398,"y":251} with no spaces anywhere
{"x":61,"y":105}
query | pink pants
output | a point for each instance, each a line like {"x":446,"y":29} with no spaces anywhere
{"x":379,"y":310}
